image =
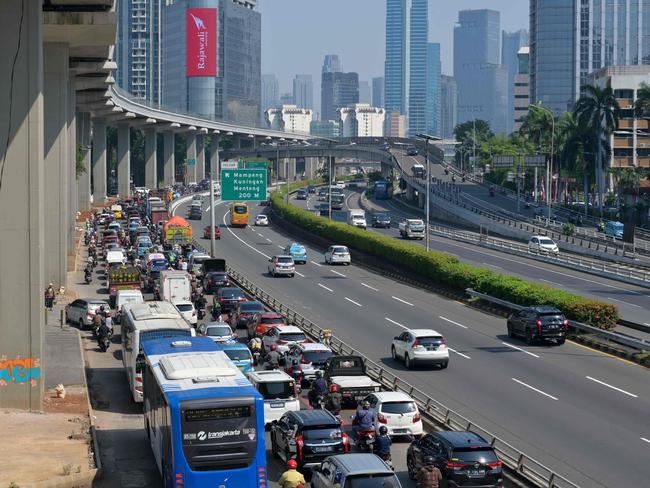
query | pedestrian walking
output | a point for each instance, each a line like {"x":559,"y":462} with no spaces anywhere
{"x":50,"y":294}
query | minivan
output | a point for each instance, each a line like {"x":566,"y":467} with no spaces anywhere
{"x":614,"y":229}
{"x":279,"y":392}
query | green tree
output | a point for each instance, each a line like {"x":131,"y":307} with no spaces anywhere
{"x":573,"y":144}
{"x":642,"y":104}
{"x":537,"y":128}
{"x":472,"y":134}
{"x":597,"y":111}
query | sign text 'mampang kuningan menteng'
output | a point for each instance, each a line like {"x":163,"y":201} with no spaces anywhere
{"x":201,"y":41}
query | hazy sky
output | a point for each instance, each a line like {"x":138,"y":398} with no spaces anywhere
{"x":296,"y":34}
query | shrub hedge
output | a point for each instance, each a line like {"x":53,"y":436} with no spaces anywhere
{"x":447,"y":270}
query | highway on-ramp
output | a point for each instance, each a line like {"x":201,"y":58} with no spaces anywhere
{"x":576,"y":410}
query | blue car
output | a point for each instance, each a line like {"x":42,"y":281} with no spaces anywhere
{"x":297,"y":252}
{"x":238,"y":354}
{"x":143,"y":248}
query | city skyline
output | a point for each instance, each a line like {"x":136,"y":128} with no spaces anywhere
{"x":360,"y":45}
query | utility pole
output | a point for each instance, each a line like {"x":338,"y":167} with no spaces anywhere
{"x":329,"y":177}
{"x":427,"y":138}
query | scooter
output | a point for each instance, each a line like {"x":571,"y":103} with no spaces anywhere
{"x":387,"y":458}
{"x":88,"y":277}
{"x":104,"y":343}
{"x":366,"y":440}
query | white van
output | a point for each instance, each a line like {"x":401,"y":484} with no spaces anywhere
{"x":357,"y":218}
{"x":114,"y":258}
{"x":279,"y":392}
{"x":126,"y":296}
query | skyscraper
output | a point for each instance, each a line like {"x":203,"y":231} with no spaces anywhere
{"x":434,"y":71}
{"x":570,"y":39}
{"x":338,"y":90}
{"x":482,"y":80}
{"x":448,"y":106}
{"x":419,"y":32}
{"x":138,"y":48}
{"x":270,"y":94}
{"x":395,"y":63}
{"x":364,"y":92}
{"x":303,"y":91}
{"x":522,"y":87}
{"x":332,"y":64}
{"x":511,"y":42}
{"x":378,"y":92}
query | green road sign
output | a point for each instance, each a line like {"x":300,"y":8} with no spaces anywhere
{"x":256,"y":165}
{"x":243,"y":184}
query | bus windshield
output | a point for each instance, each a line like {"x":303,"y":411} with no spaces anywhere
{"x":240,"y":209}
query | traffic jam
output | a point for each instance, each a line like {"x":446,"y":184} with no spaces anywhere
{"x":317,"y":405}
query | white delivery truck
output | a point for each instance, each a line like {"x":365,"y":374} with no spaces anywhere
{"x":175,"y":286}
{"x":411,"y":229}
{"x":357,"y":218}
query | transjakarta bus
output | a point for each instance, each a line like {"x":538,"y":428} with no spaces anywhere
{"x":238,"y":214}
{"x":383,"y":190}
{"x":140,"y":323}
{"x":204,"y":420}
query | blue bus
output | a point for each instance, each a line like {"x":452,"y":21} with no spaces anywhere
{"x":383,"y":190}
{"x":203,"y":418}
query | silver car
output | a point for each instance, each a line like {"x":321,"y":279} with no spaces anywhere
{"x":82,"y":311}
{"x":282,"y":265}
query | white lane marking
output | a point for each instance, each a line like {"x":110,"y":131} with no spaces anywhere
{"x":269,"y":239}
{"x":625,"y":303}
{"x":534,"y":389}
{"x":368,"y":286}
{"x":352,"y":301}
{"x":645,"y":440}
{"x":452,"y":322}
{"x":612,"y":387}
{"x":300,"y":274}
{"x":493,"y":266}
{"x":216,"y":204}
{"x":281,"y":247}
{"x":551,"y":282}
{"x":241,"y":240}
{"x":323,"y":286}
{"x":396,"y":323}
{"x":260,"y":234}
{"x":317,"y":264}
{"x":337,"y":273}
{"x":520,"y":349}
{"x":400,"y":300}
{"x":459,"y":353}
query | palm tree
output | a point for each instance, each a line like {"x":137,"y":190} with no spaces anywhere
{"x":573,"y":144}
{"x":642,"y":104}
{"x":597,"y":111}
{"x":537,"y":127}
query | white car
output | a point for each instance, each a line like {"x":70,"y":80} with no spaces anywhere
{"x":337,"y":255}
{"x":397,"y":411}
{"x":219,"y":332}
{"x":82,"y":311}
{"x":311,"y":356}
{"x":261,"y":220}
{"x":543,"y":244}
{"x":283,"y":337}
{"x":188,"y":311}
{"x":279,"y":392}
{"x":420,"y":346}
{"x":282,"y":265}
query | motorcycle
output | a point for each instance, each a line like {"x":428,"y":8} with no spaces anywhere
{"x":104,"y":343}
{"x":318,"y":402}
{"x":388,"y":459}
{"x":366,"y":440}
{"x":88,"y":277}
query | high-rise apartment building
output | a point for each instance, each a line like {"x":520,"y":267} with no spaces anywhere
{"x":511,"y":42}
{"x":569,"y":39}
{"x":482,"y":80}
{"x":434,"y":72}
{"x":289,"y":118}
{"x":303,"y":91}
{"x":270,"y":94}
{"x":522,"y":87}
{"x":395,"y":63}
{"x":361,"y":120}
{"x":325,"y":128}
{"x":418,"y":37}
{"x":233,"y":94}
{"x":378,"y":92}
{"x":338,"y":90}
{"x":448,"y":106}
{"x":332,"y":64}
{"x":365,"y":95}
{"x":138,"y":48}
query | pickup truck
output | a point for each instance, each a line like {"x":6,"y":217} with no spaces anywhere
{"x":349,"y":374}
{"x":411,"y":229}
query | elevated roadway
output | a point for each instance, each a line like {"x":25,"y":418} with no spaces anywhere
{"x":578,"y":411}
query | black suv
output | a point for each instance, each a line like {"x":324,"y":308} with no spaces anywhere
{"x":228,"y":297}
{"x":538,"y":323}
{"x":195,"y":213}
{"x":308,"y":436}
{"x":381,"y":220}
{"x":464,"y":459}
{"x":214,"y":280}
{"x":242,"y":311}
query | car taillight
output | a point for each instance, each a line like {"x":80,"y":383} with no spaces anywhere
{"x":452,"y":465}
{"x":539,"y":327}
{"x":416,"y":418}
{"x":193,"y":313}
{"x":346,"y":442}
{"x":381,"y":418}
{"x":495,"y":465}
{"x":302,"y":361}
{"x":566,"y":325}
{"x":243,"y":314}
{"x":300,"y":444}
{"x":259,"y":330}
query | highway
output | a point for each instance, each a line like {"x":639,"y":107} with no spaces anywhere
{"x":555,"y":403}
{"x":632,"y":301}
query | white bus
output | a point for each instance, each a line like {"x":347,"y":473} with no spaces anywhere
{"x":143,"y":321}
{"x":419,"y":171}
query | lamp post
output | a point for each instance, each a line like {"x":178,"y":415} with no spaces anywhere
{"x":549,"y":168}
{"x":427,"y":138}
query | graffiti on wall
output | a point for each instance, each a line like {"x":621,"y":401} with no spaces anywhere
{"x":20,"y":370}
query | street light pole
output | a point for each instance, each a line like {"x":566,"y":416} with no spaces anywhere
{"x":329,"y":177}
{"x":427,"y":138}
{"x":549,"y":166}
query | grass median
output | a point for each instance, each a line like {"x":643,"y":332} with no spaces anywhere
{"x":447,"y":270}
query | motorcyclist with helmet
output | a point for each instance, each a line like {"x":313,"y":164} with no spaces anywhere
{"x":318,"y":388}
{"x":429,"y":476}
{"x":364,"y":420}
{"x":334,"y":400}
{"x":383,"y":443}
{"x":272,"y":358}
{"x":292,"y":478}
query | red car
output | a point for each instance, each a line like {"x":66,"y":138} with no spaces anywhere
{"x":217,"y":233}
{"x":267,"y":319}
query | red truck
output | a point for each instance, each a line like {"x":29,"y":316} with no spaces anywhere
{"x":158,"y":214}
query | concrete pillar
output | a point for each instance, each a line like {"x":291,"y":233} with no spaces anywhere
{"x":292,"y":169}
{"x":150,"y":158}
{"x":124,"y":159}
{"x":72,"y":164}
{"x":311,"y":167}
{"x":168,"y":156}
{"x":22,"y":203}
{"x":385,"y":170}
{"x":215,"y":166}
{"x":282,"y":168}
{"x":421,"y":200}
{"x":410,"y":194}
{"x":83,"y":181}
{"x":99,"y":160}
{"x":55,"y":138}
{"x":190,"y":170}
{"x":200,"y":157}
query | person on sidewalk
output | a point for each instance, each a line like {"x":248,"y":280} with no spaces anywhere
{"x":50,"y":294}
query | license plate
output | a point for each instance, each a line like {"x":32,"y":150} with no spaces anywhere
{"x":359,"y":397}
{"x":432,"y":348}
{"x":277,"y":404}
{"x":400,"y":431}
{"x":322,"y":449}
{"x":475,"y":472}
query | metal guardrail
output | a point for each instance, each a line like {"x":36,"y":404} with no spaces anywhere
{"x":640,"y":345}
{"x":432,"y":410}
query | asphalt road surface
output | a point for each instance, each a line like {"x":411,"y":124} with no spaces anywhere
{"x":576,"y":410}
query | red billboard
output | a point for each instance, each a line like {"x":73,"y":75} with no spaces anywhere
{"x":201,"y":41}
